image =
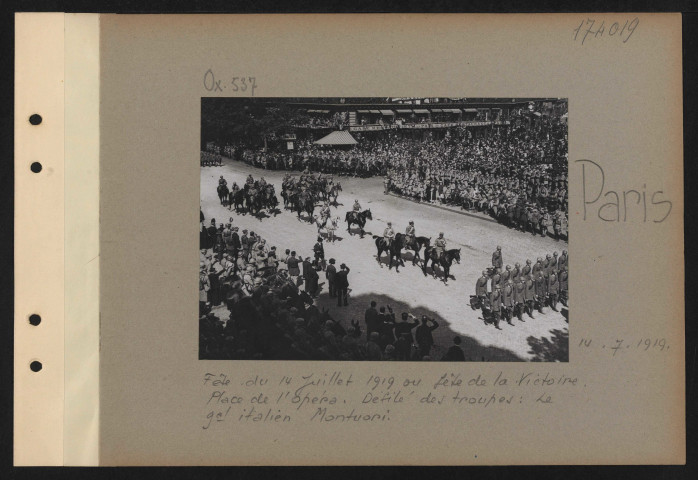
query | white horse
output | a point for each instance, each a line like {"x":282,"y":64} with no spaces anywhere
{"x":331,"y":228}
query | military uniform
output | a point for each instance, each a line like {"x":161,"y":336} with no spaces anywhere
{"x":562,"y":261}
{"x":409,"y":234}
{"x":553,"y":290}
{"x":519,"y":289}
{"x":319,"y":251}
{"x":388,"y":235}
{"x":481,"y":286}
{"x":564,"y":275}
{"x":440,"y":247}
{"x":508,"y":301}
{"x":506,"y":275}
{"x":537,"y":267}
{"x":541,"y":291}
{"x":529,"y":295}
{"x":526,"y":270}
{"x":496,"y":280}
{"x":496,"y":305}
{"x":515,"y":274}
{"x":325,"y":212}
{"x":497,"y":260}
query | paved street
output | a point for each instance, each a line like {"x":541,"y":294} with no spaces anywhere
{"x":542,"y":338}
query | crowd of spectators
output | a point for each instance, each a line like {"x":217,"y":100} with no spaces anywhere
{"x":368,"y":158}
{"x":517,"y":175}
{"x":519,"y":178}
{"x":321,"y":120}
{"x":267,"y":316}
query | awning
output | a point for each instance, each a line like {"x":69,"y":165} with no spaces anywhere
{"x":454,"y":110}
{"x":323,"y":111}
{"x":421,"y":110}
{"x":375,"y":111}
{"x":470,"y":110}
{"x":312,"y":111}
{"x":362,"y":111}
{"x":438,"y":110}
{"x":403,"y":111}
{"x":340,"y":137}
{"x":388,"y":112}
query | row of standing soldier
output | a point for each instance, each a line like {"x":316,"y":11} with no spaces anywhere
{"x":520,"y":290}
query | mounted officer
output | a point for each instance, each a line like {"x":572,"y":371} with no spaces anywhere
{"x":356,"y":209}
{"x":410,"y":234}
{"x":325,"y":212}
{"x":222,"y":181}
{"x":389,"y":234}
{"x":305,"y":176}
{"x":440,"y":246}
{"x":250,"y":180}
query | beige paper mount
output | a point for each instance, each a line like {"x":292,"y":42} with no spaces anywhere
{"x":134,"y":83}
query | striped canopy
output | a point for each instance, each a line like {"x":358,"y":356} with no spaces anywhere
{"x":339,"y":137}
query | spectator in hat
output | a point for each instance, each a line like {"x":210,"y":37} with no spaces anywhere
{"x":342,"y":283}
{"x":424,"y":337}
{"x":455,"y":352}
{"x":293,"y":267}
{"x":371,"y":318}
{"x":330,"y":275}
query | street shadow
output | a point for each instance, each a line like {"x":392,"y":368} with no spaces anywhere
{"x":443,"y":335}
{"x":553,"y":349}
{"x":437,"y":274}
{"x":356,"y":231}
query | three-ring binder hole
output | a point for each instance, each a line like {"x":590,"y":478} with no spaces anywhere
{"x":35,"y":167}
{"x":35,"y":366}
{"x":35,"y":119}
{"x":34,"y":319}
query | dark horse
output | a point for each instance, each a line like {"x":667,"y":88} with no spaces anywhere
{"x":358,"y":219}
{"x":394,"y":250}
{"x":305,"y":203}
{"x":253,"y":199}
{"x":239,"y":200}
{"x":223,"y":193}
{"x":334,"y":193}
{"x":445,"y":261}
{"x":416,"y":247}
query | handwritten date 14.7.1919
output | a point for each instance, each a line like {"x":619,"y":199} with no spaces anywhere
{"x":617,"y":346}
{"x":590,"y":28}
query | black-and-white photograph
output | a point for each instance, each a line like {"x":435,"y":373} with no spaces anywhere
{"x":384,"y":229}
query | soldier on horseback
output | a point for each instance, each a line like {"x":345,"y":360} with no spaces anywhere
{"x":305,"y":176}
{"x":388,"y":234}
{"x":250,"y":180}
{"x":356,"y":209}
{"x":325,"y":212}
{"x":440,"y":246}
{"x":410,"y":234}
{"x":262,"y":182}
{"x":222,"y":181}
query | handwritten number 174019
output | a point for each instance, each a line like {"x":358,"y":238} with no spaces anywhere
{"x":590,"y":28}
{"x":242,"y":85}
